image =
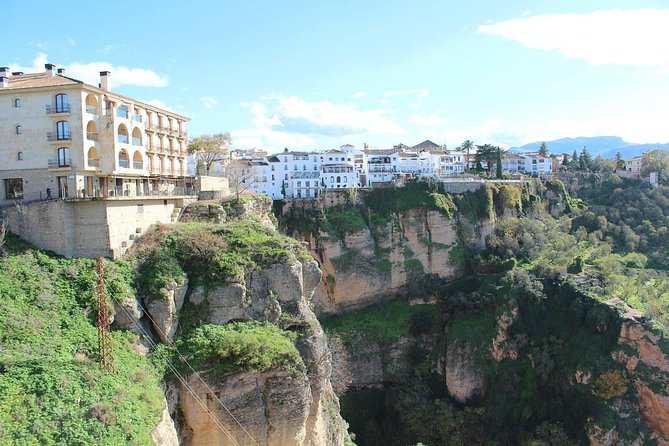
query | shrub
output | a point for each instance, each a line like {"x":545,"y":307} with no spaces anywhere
{"x":609,"y":385}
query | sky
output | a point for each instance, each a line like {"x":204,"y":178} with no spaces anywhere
{"x":314,"y":75}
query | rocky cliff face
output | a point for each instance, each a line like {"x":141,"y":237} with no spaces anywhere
{"x":370,"y":264}
{"x":273,"y":407}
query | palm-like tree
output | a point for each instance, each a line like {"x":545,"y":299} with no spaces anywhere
{"x":467,"y":146}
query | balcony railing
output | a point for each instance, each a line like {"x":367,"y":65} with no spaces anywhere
{"x":58,"y":136}
{"x":137,"y":165}
{"x":92,"y":110}
{"x":137,"y":118}
{"x":92,"y":136}
{"x":122,"y":113}
{"x":136,"y":141}
{"x":124,"y":163}
{"x":131,"y":192}
{"x":93,"y":162}
{"x":123,"y":139}
{"x":155,"y":148}
{"x":53,"y":164}
{"x":61,"y":108}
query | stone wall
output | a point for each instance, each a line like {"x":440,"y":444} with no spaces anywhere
{"x":89,"y":228}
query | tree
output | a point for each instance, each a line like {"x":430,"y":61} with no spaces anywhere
{"x":486,"y":153}
{"x":620,"y":162}
{"x":466,"y":146}
{"x":498,"y":171}
{"x":585,"y":160}
{"x":241,"y":175}
{"x":209,"y":149}
{"x":565,"y":159}
{"x":656,"y":161}
{"x":543,"y":150}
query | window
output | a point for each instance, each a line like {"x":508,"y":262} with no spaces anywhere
{"x":19,"y":157}
{"x":17,"y":103}
{"x":61,"y":103}
{"x":285,"y":167}
{"x":124,"y":160}
{"x":62,"y":130}
{"x":13,"y":188}
{"x":308,"y":183}
{"x":299,"y":184}
{"x":338,"y":179}
{"x":63,"y":157}
{"x":19,"y":130}
{"x":304,"y":167}
{"x":140,"y":208}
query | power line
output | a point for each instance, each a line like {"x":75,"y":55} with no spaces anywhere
{"x":182,"y":380}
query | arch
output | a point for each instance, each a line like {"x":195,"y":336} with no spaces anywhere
{"x":92,"y":131}
{"x":136,"y":137}
{"x":63,"y":157}
{"x":122,"y":134}
{"x":93,"y":157}
{"x":19,"y":156}
{"x":62,"y":130}
{"x":137,"y":160}
{"x":91,"y":104}
{"x":123,"y":159}
{"x":338,"y":179}
{"x":62,"y":104}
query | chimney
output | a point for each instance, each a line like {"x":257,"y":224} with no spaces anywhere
{"x":104,"y":80}
{"x":4,"y":71}
{"x":4,"y":82}
{"x":50,"y":69}
{"x":61,"y":71}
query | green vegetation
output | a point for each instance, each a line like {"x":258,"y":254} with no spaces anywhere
{"x":385,"y":322}
{"x":210,"y":254}
{"x":419,"y":194}
{"x":241,"y":346}
{"x":343,"y":220}
{"x":52,"y":391}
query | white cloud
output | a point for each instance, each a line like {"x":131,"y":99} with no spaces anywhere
{"x":90,"y":72}
{"x":208,"y":102}
{"x":415,"y":91}
{"x":71,"y":41}
{"x":360,"y":94}
{"x":637,"y":37}
{"x":290,"y":121}
{"x":426,"y":120}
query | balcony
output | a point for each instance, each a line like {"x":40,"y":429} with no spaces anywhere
{"x":124,"y":163}
{"x":136,"y":118}
{"x":123,"y":139}
{"x":55,"y":164}
{"x":56,"y":136}
{"x":93,"y":162}
{"x":137,"y":165}
{"x":91,"y":110}
{"x":136,"y":141}
{"x":60,"y":108}
{"x":92,"y":136}
{"x":120,"y":113}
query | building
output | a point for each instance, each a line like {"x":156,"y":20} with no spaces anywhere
{"x":537,"y":164}
{"x":100,"y":167}
{"x":633,"y":164}
{"x":513,"y":163}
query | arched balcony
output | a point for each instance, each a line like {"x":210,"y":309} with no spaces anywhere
{"x":123,"y":159}
{"x":136,"y":137}
{"x":91,"y":104}
{"x":122,"y":134}
{"x":93,"y":158}
{"x":92,"y":131}
{"x":137,"y":161}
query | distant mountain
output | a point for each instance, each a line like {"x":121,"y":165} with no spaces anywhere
{"x":606,"y":146}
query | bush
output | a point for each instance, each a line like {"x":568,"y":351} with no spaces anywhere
{"x":609,"y":385}
{"x":240,"y":347}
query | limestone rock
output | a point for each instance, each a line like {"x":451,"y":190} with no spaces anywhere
{"x":127,"y":314}
{"x":464,"y":380}
{"x":165,"y":433}
{"x":164,"y":311}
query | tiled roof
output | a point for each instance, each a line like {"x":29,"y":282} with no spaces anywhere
{"x":381,"y":151}
{"x":512,"y":156}
{"x":35,"y":80}
{"x":426,"y":145}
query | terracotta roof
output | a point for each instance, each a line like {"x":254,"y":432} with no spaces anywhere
{"x":381,"y":151}
{"x":35,"y":80}
{"x":426,"y":145}
{"x":512,"y":156}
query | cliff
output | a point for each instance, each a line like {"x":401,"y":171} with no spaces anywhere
{"x":234,"y":296}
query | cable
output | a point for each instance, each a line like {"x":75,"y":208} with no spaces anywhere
{"x":181,"y":378}
{"x":155,"y":326}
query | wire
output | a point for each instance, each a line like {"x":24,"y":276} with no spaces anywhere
{"x":155,"y":326}
{"x":181,"y":378}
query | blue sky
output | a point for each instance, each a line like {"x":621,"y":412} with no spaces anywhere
{"x":316,"y":74}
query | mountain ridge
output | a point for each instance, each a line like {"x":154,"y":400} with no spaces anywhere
{"x":606,"y":146}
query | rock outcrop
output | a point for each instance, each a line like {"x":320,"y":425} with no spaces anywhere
{"x":464,"y":379}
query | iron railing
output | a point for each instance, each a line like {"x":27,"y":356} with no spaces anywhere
{"x":58,"y":136}
{"x":60,"y":108}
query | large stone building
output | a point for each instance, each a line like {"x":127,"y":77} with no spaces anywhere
{"x":83,"y":170}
